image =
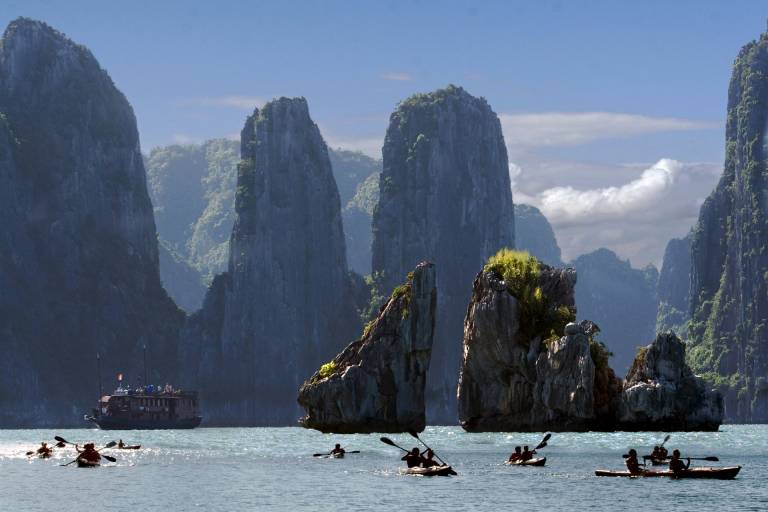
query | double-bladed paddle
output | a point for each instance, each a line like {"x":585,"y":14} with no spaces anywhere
{"x":108,"y":445}
{"x":710,"y":458}
{"x":414,"y":434}
{"x":543,"y":442}
{"x":329,"y":453}
{"x":390,"y":442}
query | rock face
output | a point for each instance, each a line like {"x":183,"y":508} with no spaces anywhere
{"x":193,"y":193}
{"x":619,"y":298}
{"x":377,"y":383}
{"x":182,"y":282}
{"x":661,"y":390}
{"x":78,"y":248}
{"x":285,"y":303}
{"x":729,"y":275}
{"x":358,"y":216}
{"x":533,"y":233}
{"x":674,"y":289}
{"x":512,"y":381}
{"x":444,"y":196}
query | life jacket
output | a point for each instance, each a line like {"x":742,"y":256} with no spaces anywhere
{"x":91,"y":456}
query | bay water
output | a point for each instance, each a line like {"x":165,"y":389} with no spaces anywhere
{"x":234,"y":469}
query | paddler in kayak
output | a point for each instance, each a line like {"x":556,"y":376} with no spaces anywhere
{"x":338,"y":450}
{"x":44,"y":451}
{"x":676,"y":464}
{"x":429,"y":460}
{"x":527,"y":454}
{"x":413,"y":458}
{"x":89,"y":453}
{"x":516,"y":455}
{"x":633,"y":465}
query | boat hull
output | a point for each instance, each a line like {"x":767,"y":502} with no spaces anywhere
{"x":431,"y":471}
{"x":109,"y":423}
{"x":82,"y":463}
{"x":532,"y":462}
{"x":725,"y":473}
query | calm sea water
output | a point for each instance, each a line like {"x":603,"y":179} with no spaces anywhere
{"x":272,"y":469}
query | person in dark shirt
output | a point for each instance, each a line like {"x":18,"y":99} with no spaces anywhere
{"x":515,"y":456}
{"x":44,"y":451}
{"x":429,"y":460}
{"x":676,"y":464}
{"x":527,"y":454}
{"x":338,"y":450}
{"x":633,"y":465}
{"x":413,"y":458}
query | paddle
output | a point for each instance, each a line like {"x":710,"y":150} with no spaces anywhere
{"x":414,"y":434}
{"x":329,"y":453}
{"x":710,"y":458}
{"x":390,"y":442}
{"x":108,"y":445}
{"x":543,"y":442}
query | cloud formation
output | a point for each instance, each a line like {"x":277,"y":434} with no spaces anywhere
{"x":575,"y":128}
{"x":233,"y":101}
{"x":635,"y":218}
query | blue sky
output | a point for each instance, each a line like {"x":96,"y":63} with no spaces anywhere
{"x":591,"y":93}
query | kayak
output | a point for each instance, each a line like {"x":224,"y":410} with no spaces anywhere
{"x":337,"y":455}
{"x":431,"y":471}
{"x":724,"y":473}
{"x":82,"y":463}
{"x":134,"y":447}
{"x":44,"y":455}
{"x":531,"y":462}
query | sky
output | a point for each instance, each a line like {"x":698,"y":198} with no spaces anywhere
{"x":612,"y":111}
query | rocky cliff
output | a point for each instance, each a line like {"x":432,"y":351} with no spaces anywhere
{"x":534,"y":233}
{"x":674,"y":288}
{"x":517,"y":373}
{"x":284,"y":305}
{"x":78,"y":248}
{"x":444,"y":196}
{"x":620,"y":299}
{"x":182,"y":282}
{"x":729,"y":275}
{"x":377,"y":383}
{"x":193,"y":193}
{"x":661,"y":391}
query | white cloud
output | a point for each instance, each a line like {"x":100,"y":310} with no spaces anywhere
{"x":397,"y":76}
{"x":239,"y":102}
{"x":634,"y":218}
{"x":370,"y":146}
{"x":574,"y":128}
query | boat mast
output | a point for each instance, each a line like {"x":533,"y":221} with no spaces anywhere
{"x":98,"y":374}
{"x":146,"y":381}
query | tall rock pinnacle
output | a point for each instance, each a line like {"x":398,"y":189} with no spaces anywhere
{"x":445,"y":197}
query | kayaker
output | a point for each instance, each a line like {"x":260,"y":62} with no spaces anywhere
{"x":676,"y":464}
{"x":338,"y":450}
{"x":516,"y":456}
{"x":413,"y":458}
{"x":527,"y":454}
{"x":44,"y":450}
{"x":88,"y":453}
{"x":429,"y":460}
{"x":633,"y":465}
{"x":120,"y":444}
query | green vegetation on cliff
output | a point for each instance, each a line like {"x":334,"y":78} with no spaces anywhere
{"x":520,"y":272}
